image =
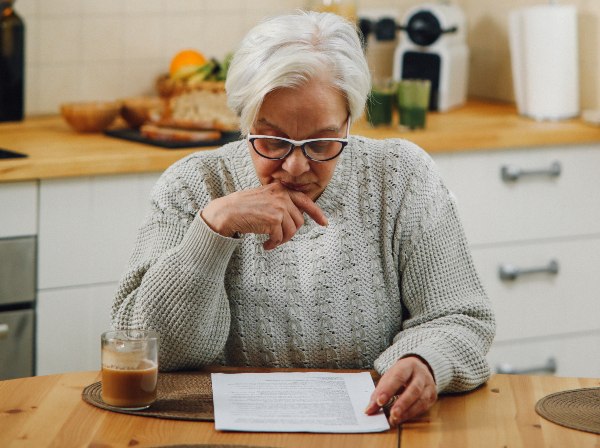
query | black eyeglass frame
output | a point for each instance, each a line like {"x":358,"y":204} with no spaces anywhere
{"x":301,"y":144}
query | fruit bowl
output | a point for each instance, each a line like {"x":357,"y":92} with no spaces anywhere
{"x":90,"y":116}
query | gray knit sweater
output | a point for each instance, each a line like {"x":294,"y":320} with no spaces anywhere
{"x":390,"y":275}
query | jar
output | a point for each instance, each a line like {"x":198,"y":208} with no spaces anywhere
{"x":344,"y":8}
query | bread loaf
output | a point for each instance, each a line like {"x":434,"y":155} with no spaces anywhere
{"x":199,"y":105}
{"x":156,"y":132}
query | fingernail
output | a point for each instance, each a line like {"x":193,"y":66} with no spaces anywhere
{"x":395,"y":415}
{"x":382,"y":399}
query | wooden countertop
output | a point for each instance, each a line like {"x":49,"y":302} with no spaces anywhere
{"x":56,"y":151}
{"x":48,"y":411}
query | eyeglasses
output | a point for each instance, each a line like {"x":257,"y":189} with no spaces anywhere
{"x":316,"y":149}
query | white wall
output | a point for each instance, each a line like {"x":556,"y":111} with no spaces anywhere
{"x":109,"y":49}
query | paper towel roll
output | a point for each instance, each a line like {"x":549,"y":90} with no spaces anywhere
{"x":545,"y":60}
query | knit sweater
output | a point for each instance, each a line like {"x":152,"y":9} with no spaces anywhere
{"x":390,"y":276}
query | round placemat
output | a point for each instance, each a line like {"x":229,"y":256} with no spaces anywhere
{"x":180,"y":396}
{"x":577,"y":409}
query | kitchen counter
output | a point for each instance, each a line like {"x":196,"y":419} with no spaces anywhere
{"x":48,"y":411}
{"x":56,"y":151}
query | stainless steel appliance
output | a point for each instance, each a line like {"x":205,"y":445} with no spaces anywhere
{"x":17,"y":302}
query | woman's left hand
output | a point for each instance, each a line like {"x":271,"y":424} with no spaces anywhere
{"x":412,"y":382}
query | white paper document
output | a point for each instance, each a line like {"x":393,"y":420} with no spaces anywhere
{"x":295,"y":402}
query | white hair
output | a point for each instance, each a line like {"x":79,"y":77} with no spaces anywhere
{"x":290,"y":50}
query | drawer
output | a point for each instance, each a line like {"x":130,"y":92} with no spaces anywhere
{"x":533,"y":206}
{"x":575,"y":355}
{"x":18,"y":209}
{"x":543,"y":304}
{"x":69,"y":324}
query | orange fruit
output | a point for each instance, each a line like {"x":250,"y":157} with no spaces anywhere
{"x":186,"y":58}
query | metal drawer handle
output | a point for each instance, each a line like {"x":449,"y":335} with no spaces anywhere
{"x":549,"y":367}
{"x":3,"y":331}
{"x":512,"y":272}
{"x":512,"y":173}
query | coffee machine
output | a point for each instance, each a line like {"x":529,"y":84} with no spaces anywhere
{"x":433,"y":46}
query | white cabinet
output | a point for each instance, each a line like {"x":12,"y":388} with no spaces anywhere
{"x":69,"y":324}
{"x":543,"y":226}
{"x":571,"y":355}
{"x":543,"y":304}
{"x":533,"y":207}
{"x":88,"y":226}
{"x":18,"y":209}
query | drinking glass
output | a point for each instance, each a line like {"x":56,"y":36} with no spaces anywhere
{"x":129,"y":368}
{"x":381,"y":102}
{"x":413,"y":102}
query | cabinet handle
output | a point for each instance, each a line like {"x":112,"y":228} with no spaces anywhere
{"x":511,"y":173}
{"x":3,"y":331}
{"x":512,"y":272}
{"x":550,"y":367}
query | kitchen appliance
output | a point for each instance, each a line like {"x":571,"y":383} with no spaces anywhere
{"x":378,"y":28}
{"x":17,"y":300}
{"x":433,"y":46}
{"x":544,"y":56}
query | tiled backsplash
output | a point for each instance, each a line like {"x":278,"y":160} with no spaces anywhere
{"x":107,"y":49}
{"x":490,"y":67}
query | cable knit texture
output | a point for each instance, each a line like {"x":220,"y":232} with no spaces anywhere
{"x":391,"y":275}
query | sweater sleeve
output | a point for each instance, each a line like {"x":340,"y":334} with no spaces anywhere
{"x":449,"y":322}
{"x":174,"y":282}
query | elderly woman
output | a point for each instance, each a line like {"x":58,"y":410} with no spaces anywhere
{"x":303,"y":246}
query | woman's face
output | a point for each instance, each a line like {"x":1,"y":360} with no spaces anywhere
{"x":314,"y":110}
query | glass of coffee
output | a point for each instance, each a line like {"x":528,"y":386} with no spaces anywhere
{"x":129,"y":368}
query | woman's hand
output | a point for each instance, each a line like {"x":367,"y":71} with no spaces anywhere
{"x":412,"y":381}
{"x":270,"y":209}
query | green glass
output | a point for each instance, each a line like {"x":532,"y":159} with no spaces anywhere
{"x":413,"y":102}
{"x":379,"y":107}
{"x":413,"y":117}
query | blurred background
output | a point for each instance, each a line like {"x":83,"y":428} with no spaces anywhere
{"x":89,"y":49}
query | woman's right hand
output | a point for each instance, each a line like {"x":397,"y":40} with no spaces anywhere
{"x":270,"y":209}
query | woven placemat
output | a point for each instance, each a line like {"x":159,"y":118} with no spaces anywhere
{"x":181,"y":396}
{"x":576,"y":409}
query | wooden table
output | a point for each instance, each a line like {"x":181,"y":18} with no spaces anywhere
{"x":48,"y":411}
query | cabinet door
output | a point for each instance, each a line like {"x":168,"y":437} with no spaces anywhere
{"x":16,"y":344}
{"x":18,"y":209}
{"x":576,"y":355}
{"x":540,"y":203}
{"x":69,"y":324}
{"x":88,"y":226}
{"x":544,"y":303}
